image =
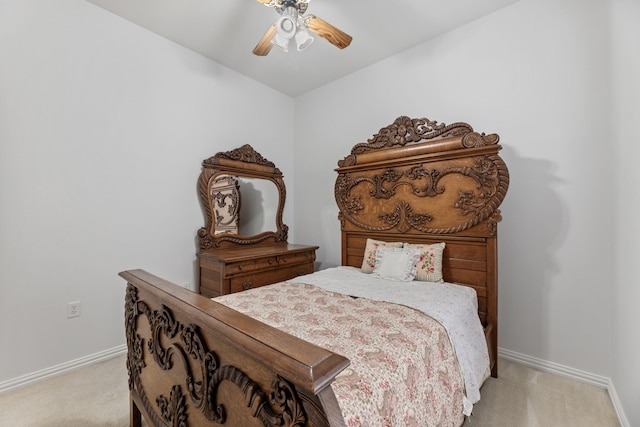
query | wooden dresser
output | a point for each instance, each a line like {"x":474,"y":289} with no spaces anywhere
{"x":238,"y":190}
{"x":228,"y":270}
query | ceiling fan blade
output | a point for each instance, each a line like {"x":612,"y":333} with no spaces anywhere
{"x":264,"y":45}
{"x":327,"y":31}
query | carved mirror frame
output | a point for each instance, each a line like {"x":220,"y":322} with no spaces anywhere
{"x":243,"y":162}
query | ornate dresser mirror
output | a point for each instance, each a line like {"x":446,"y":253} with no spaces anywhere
{"x":243,"y":196}
{"x":244,"y":241}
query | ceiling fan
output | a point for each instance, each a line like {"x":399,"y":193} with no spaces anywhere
{"x":292,"y":26}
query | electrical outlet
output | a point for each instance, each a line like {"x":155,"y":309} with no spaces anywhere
{"x":73,"y":309}
{"x":186,"y":285}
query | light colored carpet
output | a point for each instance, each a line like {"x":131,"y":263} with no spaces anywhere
{"x":97,"y":396}
{"x":526,"y":397}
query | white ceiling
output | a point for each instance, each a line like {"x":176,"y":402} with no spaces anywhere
{"x":228,"y":30}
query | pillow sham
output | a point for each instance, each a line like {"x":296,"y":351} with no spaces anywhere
{"x":396,"y":264}
{"x":369,"y":260}
{"x":429,"y":264}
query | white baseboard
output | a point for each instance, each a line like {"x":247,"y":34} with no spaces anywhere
{"x":62,"y":368}
{"x":617,"y":405}
{"x":566,"y":371}
{"x":554,"y":368}
{"x":523,"y":359}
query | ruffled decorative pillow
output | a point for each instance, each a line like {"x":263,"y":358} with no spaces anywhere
{"x":429,"y":264}
{"x":369,"y":260}
{"x":396,"y":264}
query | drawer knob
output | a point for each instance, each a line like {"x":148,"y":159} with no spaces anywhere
{"x":270,"y":261}
{"x":247,"y":285}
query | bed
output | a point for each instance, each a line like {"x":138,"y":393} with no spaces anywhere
{"x":273,"y":355}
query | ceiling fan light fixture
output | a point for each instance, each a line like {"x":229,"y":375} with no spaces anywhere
{"x":303,"y":39}
{"x":293,"y":24}
{"x":286,"y":27}
{"x":281,"y":42}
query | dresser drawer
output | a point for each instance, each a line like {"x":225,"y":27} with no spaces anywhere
{"x":257,"y":264}
{"x":249,"y":281}
{"x":255,"y":280}
{"x":295,"y":258}
{"x":297,"y":270}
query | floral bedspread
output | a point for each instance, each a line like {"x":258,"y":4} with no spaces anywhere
{"x":455,"y":306}
{"x":403,"y":371}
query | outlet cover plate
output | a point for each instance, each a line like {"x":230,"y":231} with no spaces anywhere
{"x":73,"y":309}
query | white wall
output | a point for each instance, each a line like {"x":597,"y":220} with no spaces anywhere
{"x":558,"y":81}
{"x":103,"y":127}
{"x":626,"y":229}
{"x":534,"y":73}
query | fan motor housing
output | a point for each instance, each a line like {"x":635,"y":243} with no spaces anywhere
{"x":300,"y":6}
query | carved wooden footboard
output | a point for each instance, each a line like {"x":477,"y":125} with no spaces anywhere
{"x":192,"y":361}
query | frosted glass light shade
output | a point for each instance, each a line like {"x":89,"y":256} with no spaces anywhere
{"x":281,"y":42}
{"x":286,"y":27}
{"x":303,"y":39}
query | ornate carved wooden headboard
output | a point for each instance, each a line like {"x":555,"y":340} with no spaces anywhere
{"x":420,"y":181}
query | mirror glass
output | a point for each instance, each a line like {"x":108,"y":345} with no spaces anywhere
{"x":244,"y":206}
{"x":258,"y":207}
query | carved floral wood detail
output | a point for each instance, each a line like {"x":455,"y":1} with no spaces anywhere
{"x":246,"y":154}
{"x":360,"y":188}
{"x":404,"y":131}
{"x":172,"y":342}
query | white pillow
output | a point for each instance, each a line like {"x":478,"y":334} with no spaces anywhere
{"x":396,"y":264}
{"x":372,"y":246}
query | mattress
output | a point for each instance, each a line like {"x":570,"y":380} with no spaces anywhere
{"x":417,"y":349}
